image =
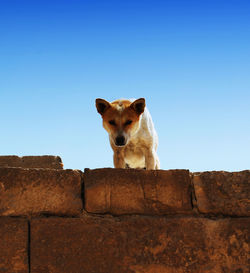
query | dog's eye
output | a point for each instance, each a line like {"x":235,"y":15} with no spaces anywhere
{"x":112,"y":122}
{"x":128,"y":122}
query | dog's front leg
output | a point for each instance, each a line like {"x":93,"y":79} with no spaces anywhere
{"x":119,"y":161}
{"x":150,"y":159}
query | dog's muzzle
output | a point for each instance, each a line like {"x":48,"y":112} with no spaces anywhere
{"x":120,"y":141}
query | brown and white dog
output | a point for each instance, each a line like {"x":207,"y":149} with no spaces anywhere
{"x":131,"y":132}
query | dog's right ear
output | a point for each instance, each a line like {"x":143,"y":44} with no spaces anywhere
{"x":101,"y":105}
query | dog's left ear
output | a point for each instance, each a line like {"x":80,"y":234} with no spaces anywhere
{"x":138,"y":105}
{"x":101,"y":105}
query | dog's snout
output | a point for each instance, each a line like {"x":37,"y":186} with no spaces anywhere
{"x":120,"y":141}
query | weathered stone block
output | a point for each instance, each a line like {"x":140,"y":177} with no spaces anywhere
{"x":130,"y":191}
{"x":10,"y":161}
{"x":45,"y":161}
{"x":139,"y":244}
{"x":39,"y":191}
{"x":13,"y":245}
{"x":225,"y":193}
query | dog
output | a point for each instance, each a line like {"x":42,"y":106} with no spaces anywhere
{"x":131,"y":132}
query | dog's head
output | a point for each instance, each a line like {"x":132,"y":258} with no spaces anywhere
{"x":121,"y":118}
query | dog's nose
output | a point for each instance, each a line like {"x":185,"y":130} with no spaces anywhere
{"x":120,"y":141}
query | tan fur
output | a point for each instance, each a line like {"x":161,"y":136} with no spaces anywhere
{"x":131,"y":133}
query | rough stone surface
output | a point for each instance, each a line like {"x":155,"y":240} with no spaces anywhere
{"x":45,"y":161}
{"x":13,"y":245}
{"x":39,"y":191}
{"x":225,"y":193}
{"x":137,"y":244}
{"x":130,"y":191}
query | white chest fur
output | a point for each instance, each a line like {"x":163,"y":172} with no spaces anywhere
{"x":139,"y":145}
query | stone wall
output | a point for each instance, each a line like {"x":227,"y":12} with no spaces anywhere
{"x":127,"y":221}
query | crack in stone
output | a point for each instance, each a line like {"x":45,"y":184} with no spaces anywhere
{"x":28,"y":247}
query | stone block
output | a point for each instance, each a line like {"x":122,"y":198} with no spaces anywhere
{"x":45,"y":161}
{"x":131,"y":191}
{"x":39,"y":191}
{"x":223,"y":193}
{"x":10,"y":161}
{"x":139,"y":244}
{"x":13,"y":245}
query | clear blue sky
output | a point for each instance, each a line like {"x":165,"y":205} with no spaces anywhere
{"x":189,"y":59}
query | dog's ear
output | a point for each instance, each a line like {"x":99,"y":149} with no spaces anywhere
{"x":101,"y":105}
{"x":138,"y":106}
